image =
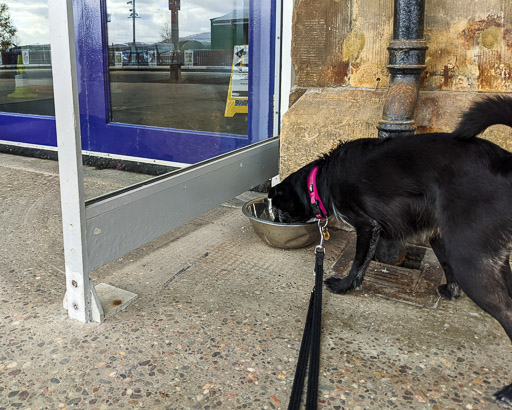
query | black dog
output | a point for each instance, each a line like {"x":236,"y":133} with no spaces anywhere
{"x":456,"y":188}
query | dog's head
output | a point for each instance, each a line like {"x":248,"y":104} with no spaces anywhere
{"x":290,"y":199}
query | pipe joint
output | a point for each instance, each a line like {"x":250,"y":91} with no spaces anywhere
{"x":407,"y":53}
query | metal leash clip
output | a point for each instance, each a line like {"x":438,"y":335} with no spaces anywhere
{"x":324,"y":234}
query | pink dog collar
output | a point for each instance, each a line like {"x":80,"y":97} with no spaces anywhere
{"x":319,"y":207}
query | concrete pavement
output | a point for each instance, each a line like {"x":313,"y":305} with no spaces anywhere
{"x":218,"y":322}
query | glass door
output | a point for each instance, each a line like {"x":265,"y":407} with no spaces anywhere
{"x":26,"y":86}
{"x":185,"y":82}
{"x":180,"y":81}
{"x":174,"y":67}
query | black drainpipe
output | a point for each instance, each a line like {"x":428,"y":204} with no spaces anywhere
{"x":406,"y":63}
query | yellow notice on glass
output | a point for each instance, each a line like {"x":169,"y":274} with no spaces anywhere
{"x":238,"y":93}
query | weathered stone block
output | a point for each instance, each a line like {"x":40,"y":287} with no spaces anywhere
{"x":344,"y":42}
{"x":319,"y":29}
{"x":322,"y":118}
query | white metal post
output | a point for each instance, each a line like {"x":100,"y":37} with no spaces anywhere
{"x":81,"y":300}
{"x":277,"y":71}
{"x":286,"y":55}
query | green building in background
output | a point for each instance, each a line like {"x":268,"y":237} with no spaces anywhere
{"x":230,"y":30}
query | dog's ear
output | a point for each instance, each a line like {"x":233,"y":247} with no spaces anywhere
{"x":272,"y":192}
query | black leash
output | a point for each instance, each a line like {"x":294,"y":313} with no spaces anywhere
{"x":310,"y":345}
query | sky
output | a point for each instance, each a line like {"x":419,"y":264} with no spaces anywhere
{"x":30,"y":17}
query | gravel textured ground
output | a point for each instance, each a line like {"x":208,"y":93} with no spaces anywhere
{"x":218,"y":322}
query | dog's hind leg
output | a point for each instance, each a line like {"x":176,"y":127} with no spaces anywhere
{"x":451,"y":289}
{"x":367,"y":238}
{"x":505,"y":394}
{"x":487,"y":284}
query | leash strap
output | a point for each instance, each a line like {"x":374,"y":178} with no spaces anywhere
{"x":316,"y":329}
{"x":310,"y":345}
{"x":302,"y":362}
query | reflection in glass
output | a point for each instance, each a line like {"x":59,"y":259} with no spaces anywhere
{"x":177,"y":65}
{"x":25,"y":68}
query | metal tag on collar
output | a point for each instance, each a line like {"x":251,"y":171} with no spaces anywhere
{"x":326,"y":234}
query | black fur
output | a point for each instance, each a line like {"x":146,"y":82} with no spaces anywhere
{"x":454,"y":187}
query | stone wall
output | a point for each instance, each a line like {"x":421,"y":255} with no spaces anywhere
{"x":339,"y":54}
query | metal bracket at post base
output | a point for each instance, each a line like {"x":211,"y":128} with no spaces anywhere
{"x":92,"y":311}
{"x":102,"y":301}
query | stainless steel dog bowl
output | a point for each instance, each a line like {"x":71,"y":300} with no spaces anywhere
{"x":278,"y":234}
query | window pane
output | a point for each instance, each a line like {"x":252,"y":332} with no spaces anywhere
{"x":181,"y":66}
{"x":25,"y":68}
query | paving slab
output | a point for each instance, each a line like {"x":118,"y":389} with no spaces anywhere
{"x":218,"y":323}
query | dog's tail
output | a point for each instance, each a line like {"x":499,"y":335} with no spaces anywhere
{"x":483,"y":114}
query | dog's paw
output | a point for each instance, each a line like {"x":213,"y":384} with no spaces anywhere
{"x":450,"y":291}
{"x":338,"y":285}
{"x":504,"y":396}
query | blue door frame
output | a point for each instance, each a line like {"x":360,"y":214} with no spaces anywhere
{"x":179,"y":146}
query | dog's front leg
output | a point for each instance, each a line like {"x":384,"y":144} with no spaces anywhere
{"x":367,"y":238}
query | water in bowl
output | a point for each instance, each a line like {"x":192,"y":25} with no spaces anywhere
{"x":271,"y":215}
{"x":263,"y":210}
